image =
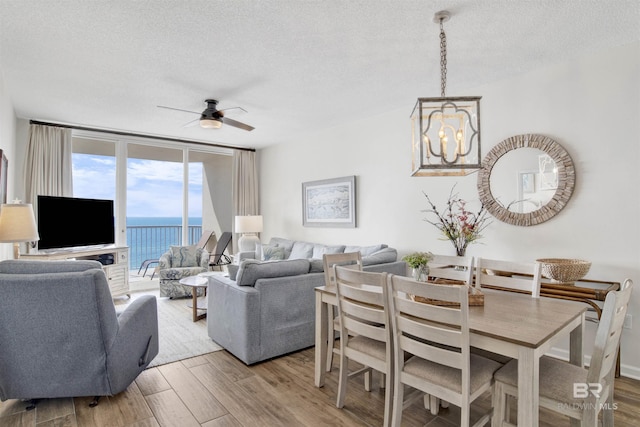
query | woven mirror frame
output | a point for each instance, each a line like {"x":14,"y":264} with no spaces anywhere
{"x":566,"y":179}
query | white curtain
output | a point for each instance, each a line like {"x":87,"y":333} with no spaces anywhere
{"x":244,"y":186}
{"x":48,"y":164}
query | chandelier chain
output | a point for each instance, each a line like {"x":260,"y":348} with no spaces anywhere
{"x":443,"y":60}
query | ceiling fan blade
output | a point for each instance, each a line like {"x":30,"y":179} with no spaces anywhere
{"x":233,"y":108}
{"x":192,"y":123}
{"x":235,"y":123}
{"x":177,"y":109}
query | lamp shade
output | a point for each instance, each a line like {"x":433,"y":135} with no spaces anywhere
{"x":249,"y":224}
{"x":17,"y":223}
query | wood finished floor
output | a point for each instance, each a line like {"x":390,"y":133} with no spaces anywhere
{"x":217,"y":390}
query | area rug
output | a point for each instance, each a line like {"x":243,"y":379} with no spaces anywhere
{"x":179,"y":337}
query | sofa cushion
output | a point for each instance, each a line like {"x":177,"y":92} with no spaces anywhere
{"x":183,"y":256}
{"x":301,"y":250}
{"x":317,"y":266}
{"x":233,"y":271}
{"x":364,"y":250}
{"x":252,"y":270}
{"x":272,"y":253}
{"x":287,"y":244}
{"x":382,"y":256}
{"x":319,"y":250}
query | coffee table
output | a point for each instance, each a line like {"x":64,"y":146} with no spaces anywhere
{"x":196,"y":282}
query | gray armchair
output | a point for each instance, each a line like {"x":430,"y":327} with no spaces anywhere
{"x":60,"y":335}
{"x":177,"y":263}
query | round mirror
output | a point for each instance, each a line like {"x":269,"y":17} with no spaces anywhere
{"x":526,"y":179}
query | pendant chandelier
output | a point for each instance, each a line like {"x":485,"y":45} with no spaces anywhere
{"x":445,"y":130}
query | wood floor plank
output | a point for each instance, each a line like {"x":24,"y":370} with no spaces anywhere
{"x":50,"y":409}
{"x":10,"y":407}
{"x":68,"y":420}
{"x":170,"y":411}
{"x":19,"y":419}
{"x":279,"y":392}
{"x":194,"y":361}
{"x":151,"y":381}
{"x":149,"y":422}
{"x":224,"y":421}
{"x":202,"y":404}
{"x":131,"y":405}
{"x":248,"y":408}
{"x":231,"y":367}
{"x":103,"y":415}
{"x":311,"y":405}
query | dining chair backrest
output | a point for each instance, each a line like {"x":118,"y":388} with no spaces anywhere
{"x":603,"y":357}
{"x":452,"y":267}
{"x":361,"y":304}
{"x":436,"y":333}
{"x":365,"y":331}
{"x":352,"y":259}
{"x":509,"y":275}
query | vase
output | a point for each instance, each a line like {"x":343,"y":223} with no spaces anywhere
{"x":421,"y":273}
{"x":460,"y":252}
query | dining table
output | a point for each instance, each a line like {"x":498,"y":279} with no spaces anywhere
{"x":511,"y":324}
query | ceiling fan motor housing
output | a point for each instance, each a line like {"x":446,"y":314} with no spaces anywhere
{"x":211,"y":117}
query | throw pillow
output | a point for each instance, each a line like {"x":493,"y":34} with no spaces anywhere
{"x":319,"y":250}
{"x":301,"y":250}
{"x":183,"y":256}
{"x":233,"y":271}
{"x":365,"y":250}
{"x":272,"y":253}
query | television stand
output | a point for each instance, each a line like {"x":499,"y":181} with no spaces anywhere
{"x":117,"y":273}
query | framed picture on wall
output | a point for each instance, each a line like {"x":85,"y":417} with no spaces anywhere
{"x":329,"y":202}
{"x":4,"y":164}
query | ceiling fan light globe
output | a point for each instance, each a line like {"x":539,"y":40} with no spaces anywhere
{"x":210,"y":123}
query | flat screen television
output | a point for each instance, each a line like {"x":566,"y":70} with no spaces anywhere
{"x":65,"y":222}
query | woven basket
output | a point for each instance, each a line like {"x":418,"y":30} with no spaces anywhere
{"x":563,"y":270}
{"x":476,"y":297}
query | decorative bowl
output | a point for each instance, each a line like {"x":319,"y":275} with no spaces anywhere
{"x":564,"y":270}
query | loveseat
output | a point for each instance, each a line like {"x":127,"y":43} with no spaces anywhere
{"x":267,"y":307}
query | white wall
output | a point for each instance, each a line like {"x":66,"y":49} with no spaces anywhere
{"x":590,"y":105}
{"x":7,"y":145}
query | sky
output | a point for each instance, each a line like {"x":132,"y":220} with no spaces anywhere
{"x":154,"y":188}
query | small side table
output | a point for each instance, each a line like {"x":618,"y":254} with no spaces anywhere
{"x":196,"y":282}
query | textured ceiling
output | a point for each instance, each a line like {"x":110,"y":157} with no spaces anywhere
{"x":296,"y":66}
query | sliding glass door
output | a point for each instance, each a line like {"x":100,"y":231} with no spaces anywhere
{"x":165,"y":194}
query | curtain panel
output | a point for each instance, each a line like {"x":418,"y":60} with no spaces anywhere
{"x":244,"y":186}
{"x":48,"y":163}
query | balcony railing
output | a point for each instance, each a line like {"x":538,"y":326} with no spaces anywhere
{"x":151,"y":241}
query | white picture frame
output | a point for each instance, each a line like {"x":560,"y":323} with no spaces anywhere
{"x":329,"y":202}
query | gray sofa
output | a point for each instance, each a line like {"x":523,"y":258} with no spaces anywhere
{"x":267,"y":308}
{"x":60,"y":335}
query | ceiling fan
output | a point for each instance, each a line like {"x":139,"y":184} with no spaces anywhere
{"x":212,"y":118}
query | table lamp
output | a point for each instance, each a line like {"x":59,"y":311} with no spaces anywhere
{"x":248,"y":225}
{"x":17,"y":224}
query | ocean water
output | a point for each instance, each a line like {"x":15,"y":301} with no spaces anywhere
{"x":150,"y":237}
{"x":160,"y":220}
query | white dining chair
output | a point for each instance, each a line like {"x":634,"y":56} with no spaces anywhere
{"x":437,"y":338}
{"x":508,"y":275}
{"x":365,"y":333}
{"x":448,"y":268}
{"x":452,"y":267}
{"x":578,"y":392}
{"x":353,"y":259}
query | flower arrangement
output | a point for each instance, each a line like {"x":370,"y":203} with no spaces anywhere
{"x":419,"y":262}
{"x":457,"y":224}
{"x":418,"y":259}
